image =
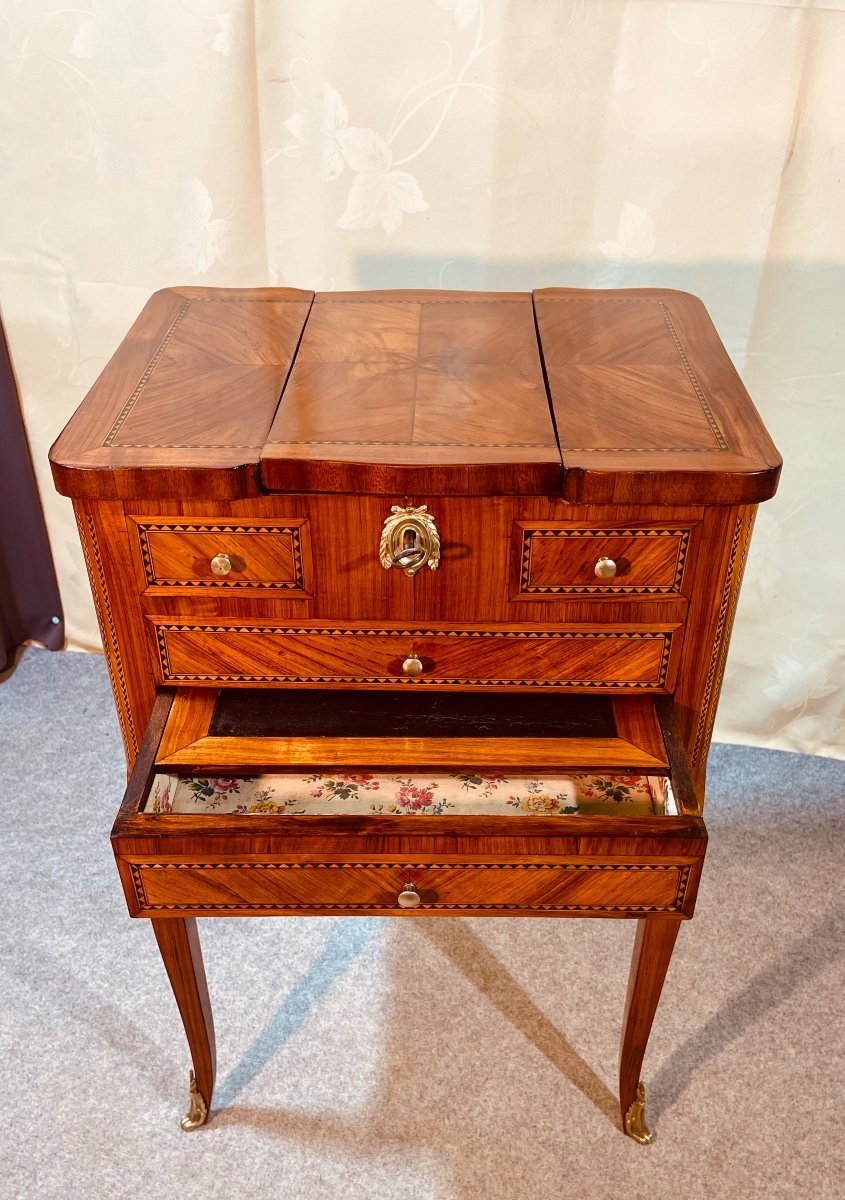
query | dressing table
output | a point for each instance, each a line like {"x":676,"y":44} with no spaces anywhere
{"x":416,"y":603}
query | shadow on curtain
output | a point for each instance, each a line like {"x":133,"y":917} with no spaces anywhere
{"x":30,"y":607}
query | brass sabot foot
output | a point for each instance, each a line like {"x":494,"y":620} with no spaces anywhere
{"x":635,"y":1123}
{"x":197,"y":1114}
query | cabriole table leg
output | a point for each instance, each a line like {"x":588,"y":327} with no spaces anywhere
{"x":178,"y":942}
{"x":653,"y":948}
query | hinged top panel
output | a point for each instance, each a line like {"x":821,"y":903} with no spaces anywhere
{"x":184,"y":405}
{"x":648,"y":405}
{"x":415,"y":392}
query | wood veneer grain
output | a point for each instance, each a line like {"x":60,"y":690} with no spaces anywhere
{"x":655,"y":458}
{"x":628,"y":738}
{"x":647,"y":401}
{"x":622,"y":659}
{"x":435,"y":391}
{"x":185,"y":403}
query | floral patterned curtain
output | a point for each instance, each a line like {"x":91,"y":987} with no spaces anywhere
{"x":457,"y":143}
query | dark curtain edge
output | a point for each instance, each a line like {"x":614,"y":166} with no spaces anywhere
{"x":30,"y":602}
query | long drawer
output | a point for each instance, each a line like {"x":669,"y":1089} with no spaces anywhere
{"x":630,"y":658}
{"x":209,"y":843}
{"x":553,"y":886}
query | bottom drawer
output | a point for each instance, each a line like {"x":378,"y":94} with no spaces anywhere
{"x":413,"y":839}
{"x":241,"y":888}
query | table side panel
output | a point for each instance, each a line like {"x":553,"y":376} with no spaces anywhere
{"x":715,"y":572}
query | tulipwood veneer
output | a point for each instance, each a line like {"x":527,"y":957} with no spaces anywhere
{"x":416,"y":532}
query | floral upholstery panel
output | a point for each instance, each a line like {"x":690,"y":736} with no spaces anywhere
{"x":393,"y":795}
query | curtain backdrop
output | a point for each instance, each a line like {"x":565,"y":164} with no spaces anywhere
{"x":467,"y":144}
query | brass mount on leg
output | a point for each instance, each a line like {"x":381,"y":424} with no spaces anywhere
{"x":197,"y":1114}
{"x":635,"y":1122}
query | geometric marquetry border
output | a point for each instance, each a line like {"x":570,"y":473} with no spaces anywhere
{"x":240,"y":527}
{"x":683,"y":871}
{"x":720,"y":443}
{"x":162,"y":629}
{"x":111,"y":438}
{"x":105,"y":619}
{"x":682,"y":537}
{"x":740,"y":542}
{"x":464,"y":445}
{"x":700,"y":396}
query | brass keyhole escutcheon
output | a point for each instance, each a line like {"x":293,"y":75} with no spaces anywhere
{"x":409,"y":540}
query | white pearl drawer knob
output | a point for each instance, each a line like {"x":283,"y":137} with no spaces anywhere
{"x":221,"y":564}
{"x":409,"y":897}
{"x":412,"y":666}
{"x":605,"y":568}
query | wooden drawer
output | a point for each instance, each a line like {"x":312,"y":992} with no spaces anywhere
{"x":253,"y":556}
{"x":553,"y":559}
{"x":188,"y":848}
{"x":234,"y":731}
{"x":553,"y":887}
{"x":632,"y":658}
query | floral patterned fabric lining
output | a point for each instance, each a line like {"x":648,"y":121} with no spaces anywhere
{"x":366,"y":794}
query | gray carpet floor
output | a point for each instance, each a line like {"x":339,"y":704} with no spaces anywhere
{"x":430,"y":1059}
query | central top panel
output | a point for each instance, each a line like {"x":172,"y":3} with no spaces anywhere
{"x":397,"y":392}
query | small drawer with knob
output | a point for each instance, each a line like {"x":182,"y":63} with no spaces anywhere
{"x":553,"y":559}
{"x":179,"y":555}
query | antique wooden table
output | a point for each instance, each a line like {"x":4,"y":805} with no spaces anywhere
{"x":427,"y":541}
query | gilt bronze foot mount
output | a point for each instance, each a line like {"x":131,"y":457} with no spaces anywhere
{"x":197,"y":1114}
{"x":635,"y":1120}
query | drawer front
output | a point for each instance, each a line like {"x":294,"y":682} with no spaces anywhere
{"x":222,"y":555}
{"x":636,"y":659}
{"x":557,"y":560}
{"x":241,"y":888}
